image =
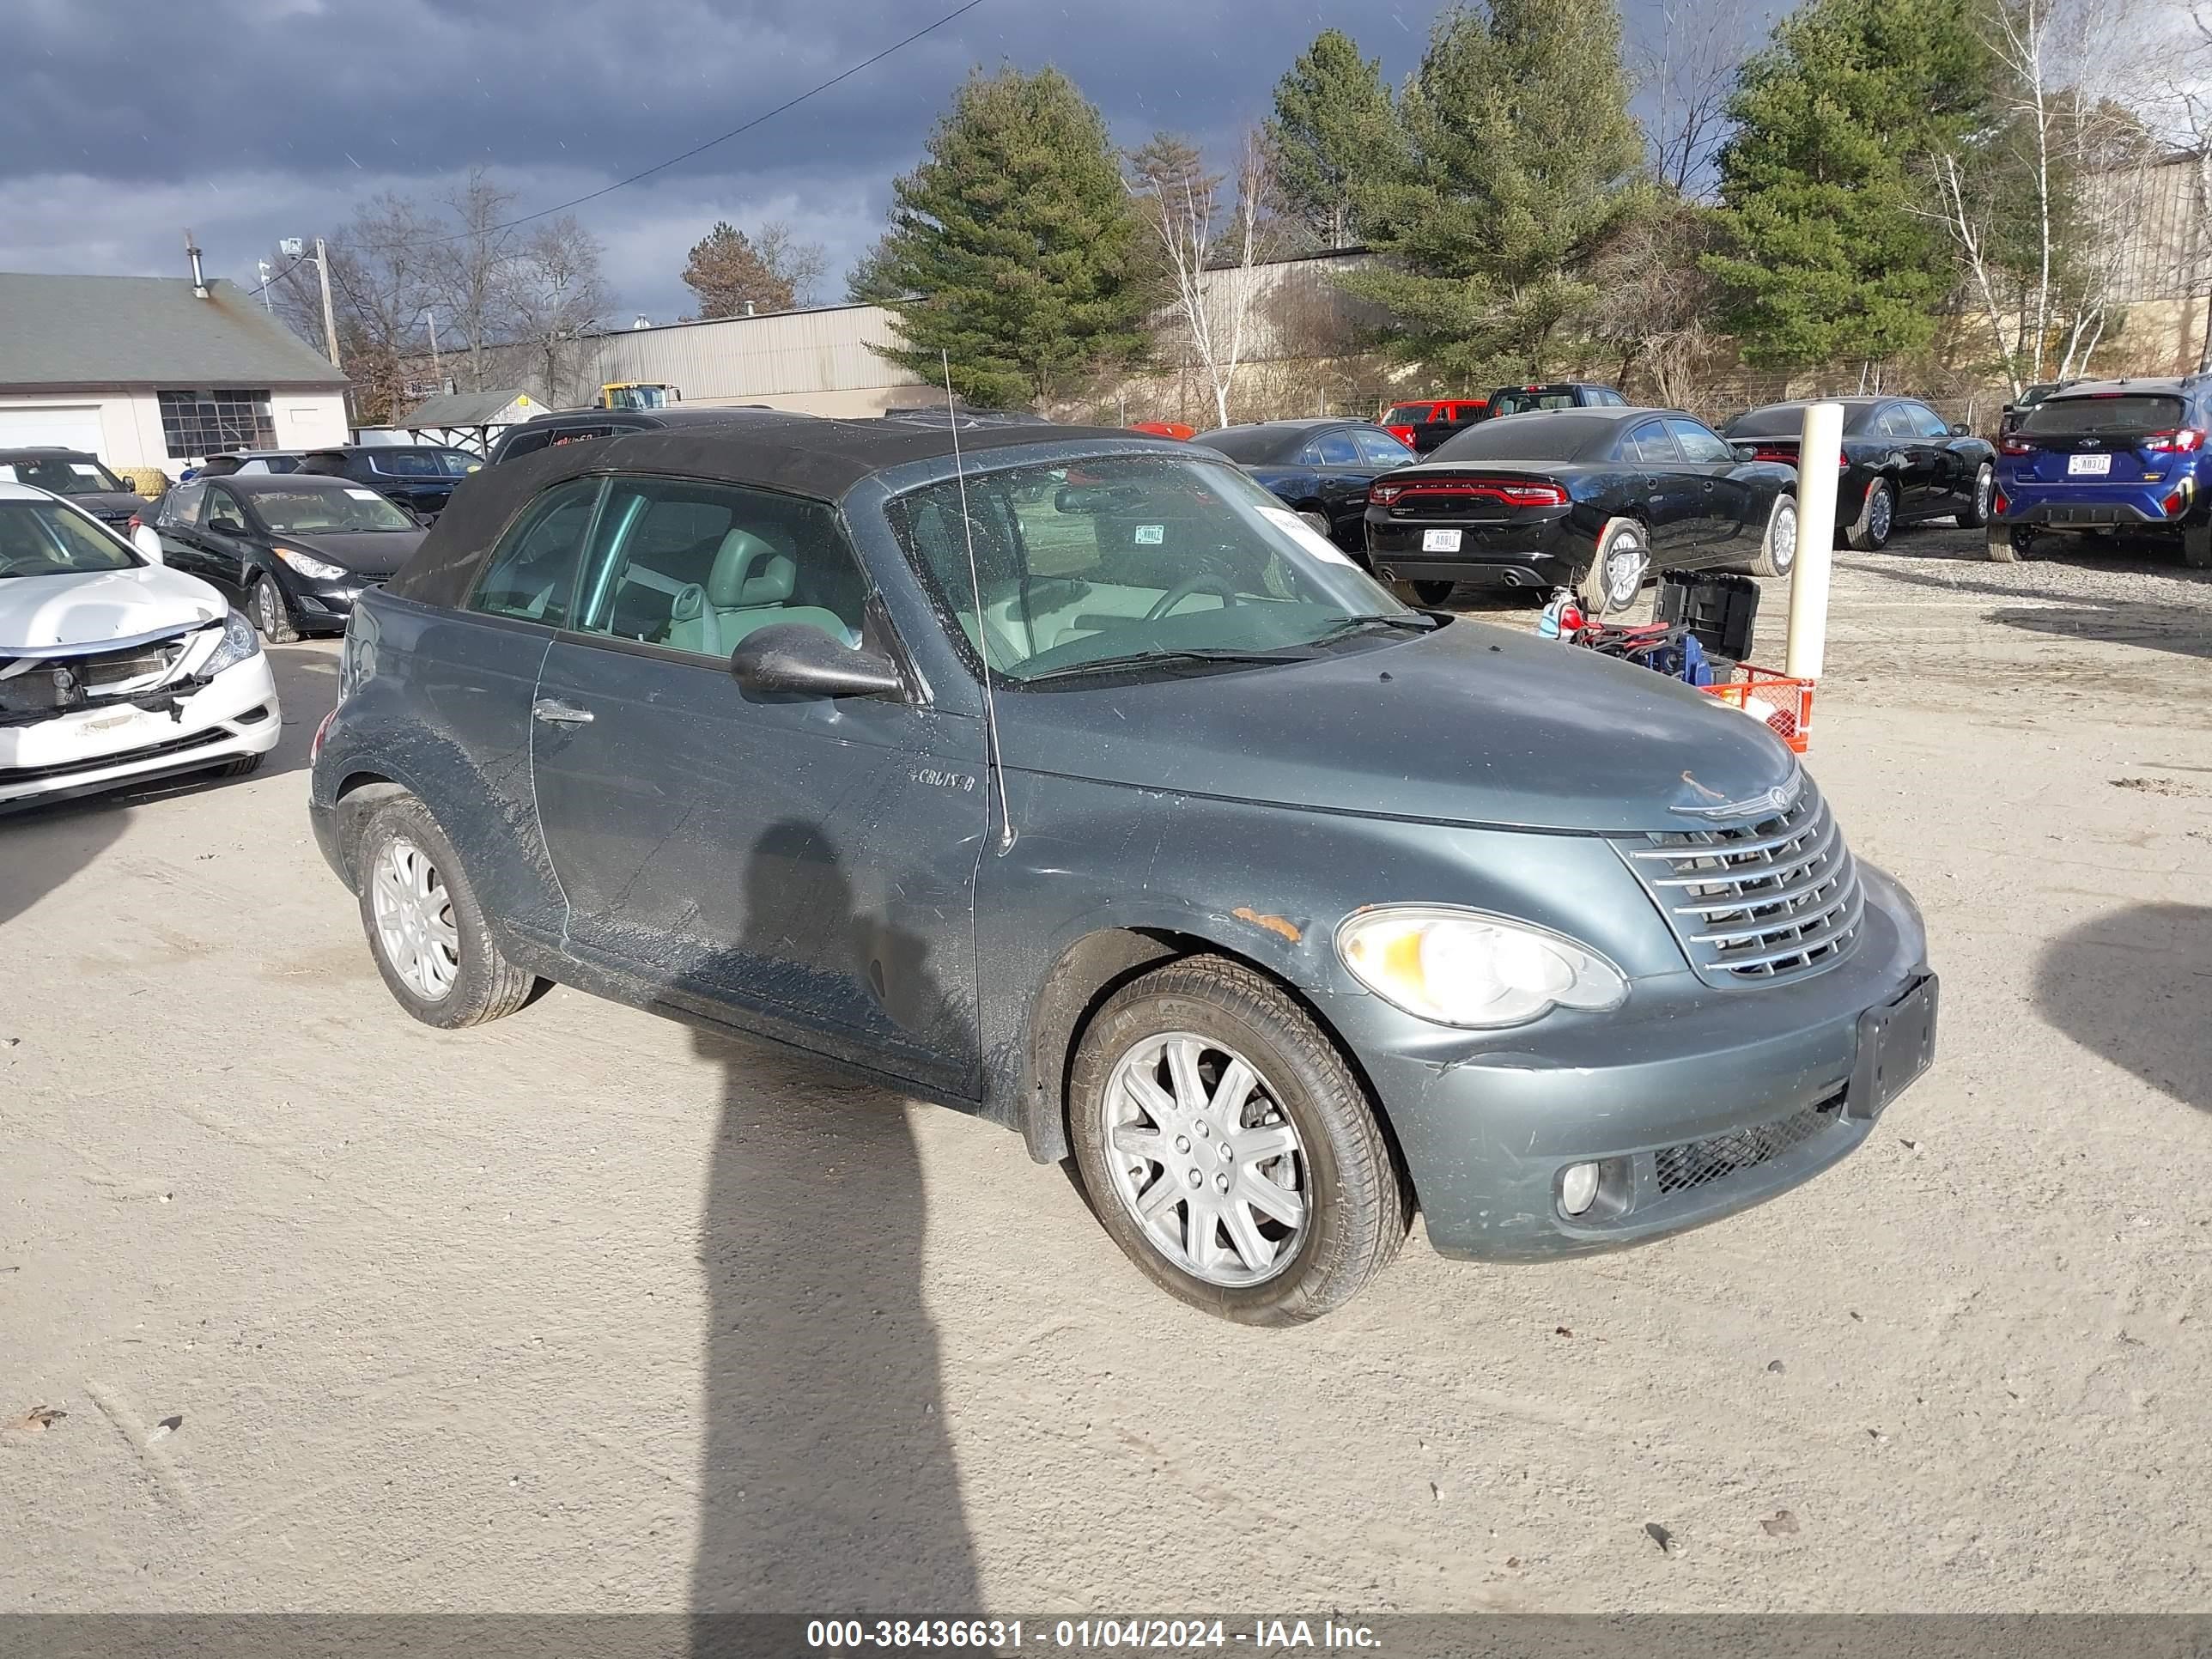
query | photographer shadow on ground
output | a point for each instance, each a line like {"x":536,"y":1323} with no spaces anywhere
{"x":2136,"y":986}
{"x":827,"y":1484}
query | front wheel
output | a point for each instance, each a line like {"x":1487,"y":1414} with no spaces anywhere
{"x":1229,"y":1150}
{"x":1869,"y":532}
{"x":1432,"y":593}
{"x":425,"y":927}
{"x":1777,"y":549}
{"x":272,"y":613}
{"x":1617,"y":570}
{"x":1977,"y":512}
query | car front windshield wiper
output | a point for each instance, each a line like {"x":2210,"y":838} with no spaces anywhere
{"x":1416,"y":621}
{"x":1145,"y":659}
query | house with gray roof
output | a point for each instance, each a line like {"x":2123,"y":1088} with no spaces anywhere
{"x":150,"y":371}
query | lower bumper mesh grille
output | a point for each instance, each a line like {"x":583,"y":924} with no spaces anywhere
{"x":1695,"y":1163}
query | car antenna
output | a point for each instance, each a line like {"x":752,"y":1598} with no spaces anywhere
{"x":997,"y":758}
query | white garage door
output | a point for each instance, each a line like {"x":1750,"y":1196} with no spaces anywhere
{"x":72,"y":426}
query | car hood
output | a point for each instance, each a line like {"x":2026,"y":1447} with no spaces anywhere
{"x":1470,"y":724}
{"x":93,"y":609}
{"x":371,"y":553}
{"x":108,"y":503}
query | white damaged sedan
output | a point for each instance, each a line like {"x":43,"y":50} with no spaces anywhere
{"x":113,"y":669}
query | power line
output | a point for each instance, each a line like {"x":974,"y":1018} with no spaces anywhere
{"x":700,"y":150}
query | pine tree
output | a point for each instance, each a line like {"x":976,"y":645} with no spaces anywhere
{"x":1835,"y":252}
{"x":1334,"y":124}
{"x":1524,"y":164}
{"x":1013,"y":247}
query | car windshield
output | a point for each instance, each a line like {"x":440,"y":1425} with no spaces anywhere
{"x":1134,"y":560}
{"x":1554,"y":437}
{"x":419,"y":463}
{"x":65,"y":475}
{"x":2121,"y":412}
{"x":44,"y":538}
{"x":1537,"y":397}
{"x":305,"y":512}
{"x":1778,"y":420}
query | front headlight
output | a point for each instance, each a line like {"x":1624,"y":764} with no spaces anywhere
{"x":1465,"y":967}
{"x":315,"y":569}
{"x":238,"y":643}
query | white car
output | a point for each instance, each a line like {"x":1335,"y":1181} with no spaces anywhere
{"x":113,"y":669}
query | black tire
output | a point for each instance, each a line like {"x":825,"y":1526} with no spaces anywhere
{"x":1317,"y":521}
{"x":1593,"y":591}
{"x":1358,"y":1207}
{"x":2197,"y":546}
{"x":1869,"y":532}
{"x":1976,"y":514}
{"x":243,"y":766}
{"x":485,"y":986}
{"x":272,"y":611}
{"x":1772,"y":559}
{"x":1432,"y":593}
{"x":2006,"y":544}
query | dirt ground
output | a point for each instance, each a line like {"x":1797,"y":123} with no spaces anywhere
{"x":585,"y":1310}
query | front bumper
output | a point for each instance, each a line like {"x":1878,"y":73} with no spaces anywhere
{"x":1698,"y":1102}
{"x":1533,"y":552}
{"x":89,"y":750}
{"x":328,"y":608}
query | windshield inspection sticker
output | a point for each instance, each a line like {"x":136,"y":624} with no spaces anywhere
{"x":1152,"y":535}
{"x":1305,"y":535}
{"x":364,"y":495}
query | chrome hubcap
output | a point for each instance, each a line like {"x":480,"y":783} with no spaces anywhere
{"x":415,"y":920}
{"x":1984,"y":487}
{"x":1204,"y":1159}
{"x":1624,"y":571}
{"x":1785,"y":539}
{"x":1878,"y":511}
{"x":267,"y":607}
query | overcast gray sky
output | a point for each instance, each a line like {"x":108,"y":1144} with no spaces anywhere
{"x":124,"y":121}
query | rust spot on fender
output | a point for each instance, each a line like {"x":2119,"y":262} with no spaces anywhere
{"x":1289,"y":930}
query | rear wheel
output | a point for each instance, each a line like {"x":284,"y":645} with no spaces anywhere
{"x":1869,"y":532}
{"x":1617,"y":570}
{"x":272,"y":613}
{"x":2197,"y":546}
{"x":1317,"y":522}
{"x":425,"y":928}
{"x":1777,"y":551}
{"x":2006,"y":544}
{"x":1229,"y":1150}
{"x":1976,"y":513}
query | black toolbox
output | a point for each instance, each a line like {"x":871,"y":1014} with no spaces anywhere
{"x":1720,"y":608}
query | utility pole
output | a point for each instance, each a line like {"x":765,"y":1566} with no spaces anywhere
{"x":329,"y":317}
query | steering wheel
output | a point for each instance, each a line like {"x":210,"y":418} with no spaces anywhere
{"x":1203,"y":582}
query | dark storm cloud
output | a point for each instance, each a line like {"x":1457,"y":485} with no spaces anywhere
{"x":121,"y":121}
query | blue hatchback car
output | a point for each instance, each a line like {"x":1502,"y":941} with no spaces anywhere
{"x":2098,"y":456}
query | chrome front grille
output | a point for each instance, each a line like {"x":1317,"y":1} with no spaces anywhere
{"x":1757,"y":903}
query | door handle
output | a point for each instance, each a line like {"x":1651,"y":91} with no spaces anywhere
{"x":559,"y":714}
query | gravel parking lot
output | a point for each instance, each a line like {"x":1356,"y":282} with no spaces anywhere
{"x":588,"y":1310}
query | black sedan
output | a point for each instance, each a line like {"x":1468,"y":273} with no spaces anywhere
{"x":1321,"y":468}
{"x":1902,"y":462}
{"x":1592,"y":499}
{"x":78,"y":475}
{"x":294,"y":551}
{"x":419,"y":477}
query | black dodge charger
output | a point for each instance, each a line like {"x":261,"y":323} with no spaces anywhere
{"x":1320,"y":468}
{"x":1592,"y":499}
{"x":1902,"y":462}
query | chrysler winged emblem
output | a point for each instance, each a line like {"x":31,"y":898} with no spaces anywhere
{"x":1698,"y":801}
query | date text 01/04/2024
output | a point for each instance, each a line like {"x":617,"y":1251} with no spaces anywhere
{"x":1004,"y":1635}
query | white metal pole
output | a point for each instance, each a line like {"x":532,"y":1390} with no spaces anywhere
{"x":436,"y":372}
{"x":1819,"y":447}
{"x":329,"y":317}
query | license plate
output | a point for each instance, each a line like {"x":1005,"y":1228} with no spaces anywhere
{"x":1440,"y":541}
{"x":2088,"y":466}
{"x":1896,"y":1044}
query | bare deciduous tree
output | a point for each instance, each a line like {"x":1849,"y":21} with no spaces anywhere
{"x":554,"y":294}
{"x":471,"y":262}
{"x":1685,"y":71}
{"x":1211,"y":242}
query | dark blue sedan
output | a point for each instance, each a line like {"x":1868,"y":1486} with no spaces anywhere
{"x":1321,"y":468}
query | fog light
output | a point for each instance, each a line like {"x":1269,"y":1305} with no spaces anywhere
{"x":1578,"y":1188}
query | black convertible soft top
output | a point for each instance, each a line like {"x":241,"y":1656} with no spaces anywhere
{"x":805,"y":455}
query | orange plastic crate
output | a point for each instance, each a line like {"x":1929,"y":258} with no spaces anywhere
{"x":1790,"y":699}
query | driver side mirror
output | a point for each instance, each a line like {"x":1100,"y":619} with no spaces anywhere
{"x":1744,"y":451}
{"x":795,"y":658}
{"x":1961,"y":429}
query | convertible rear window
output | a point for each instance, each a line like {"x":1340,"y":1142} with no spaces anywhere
{"x":1131,"y":559}
{"x":2126,"y":412}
